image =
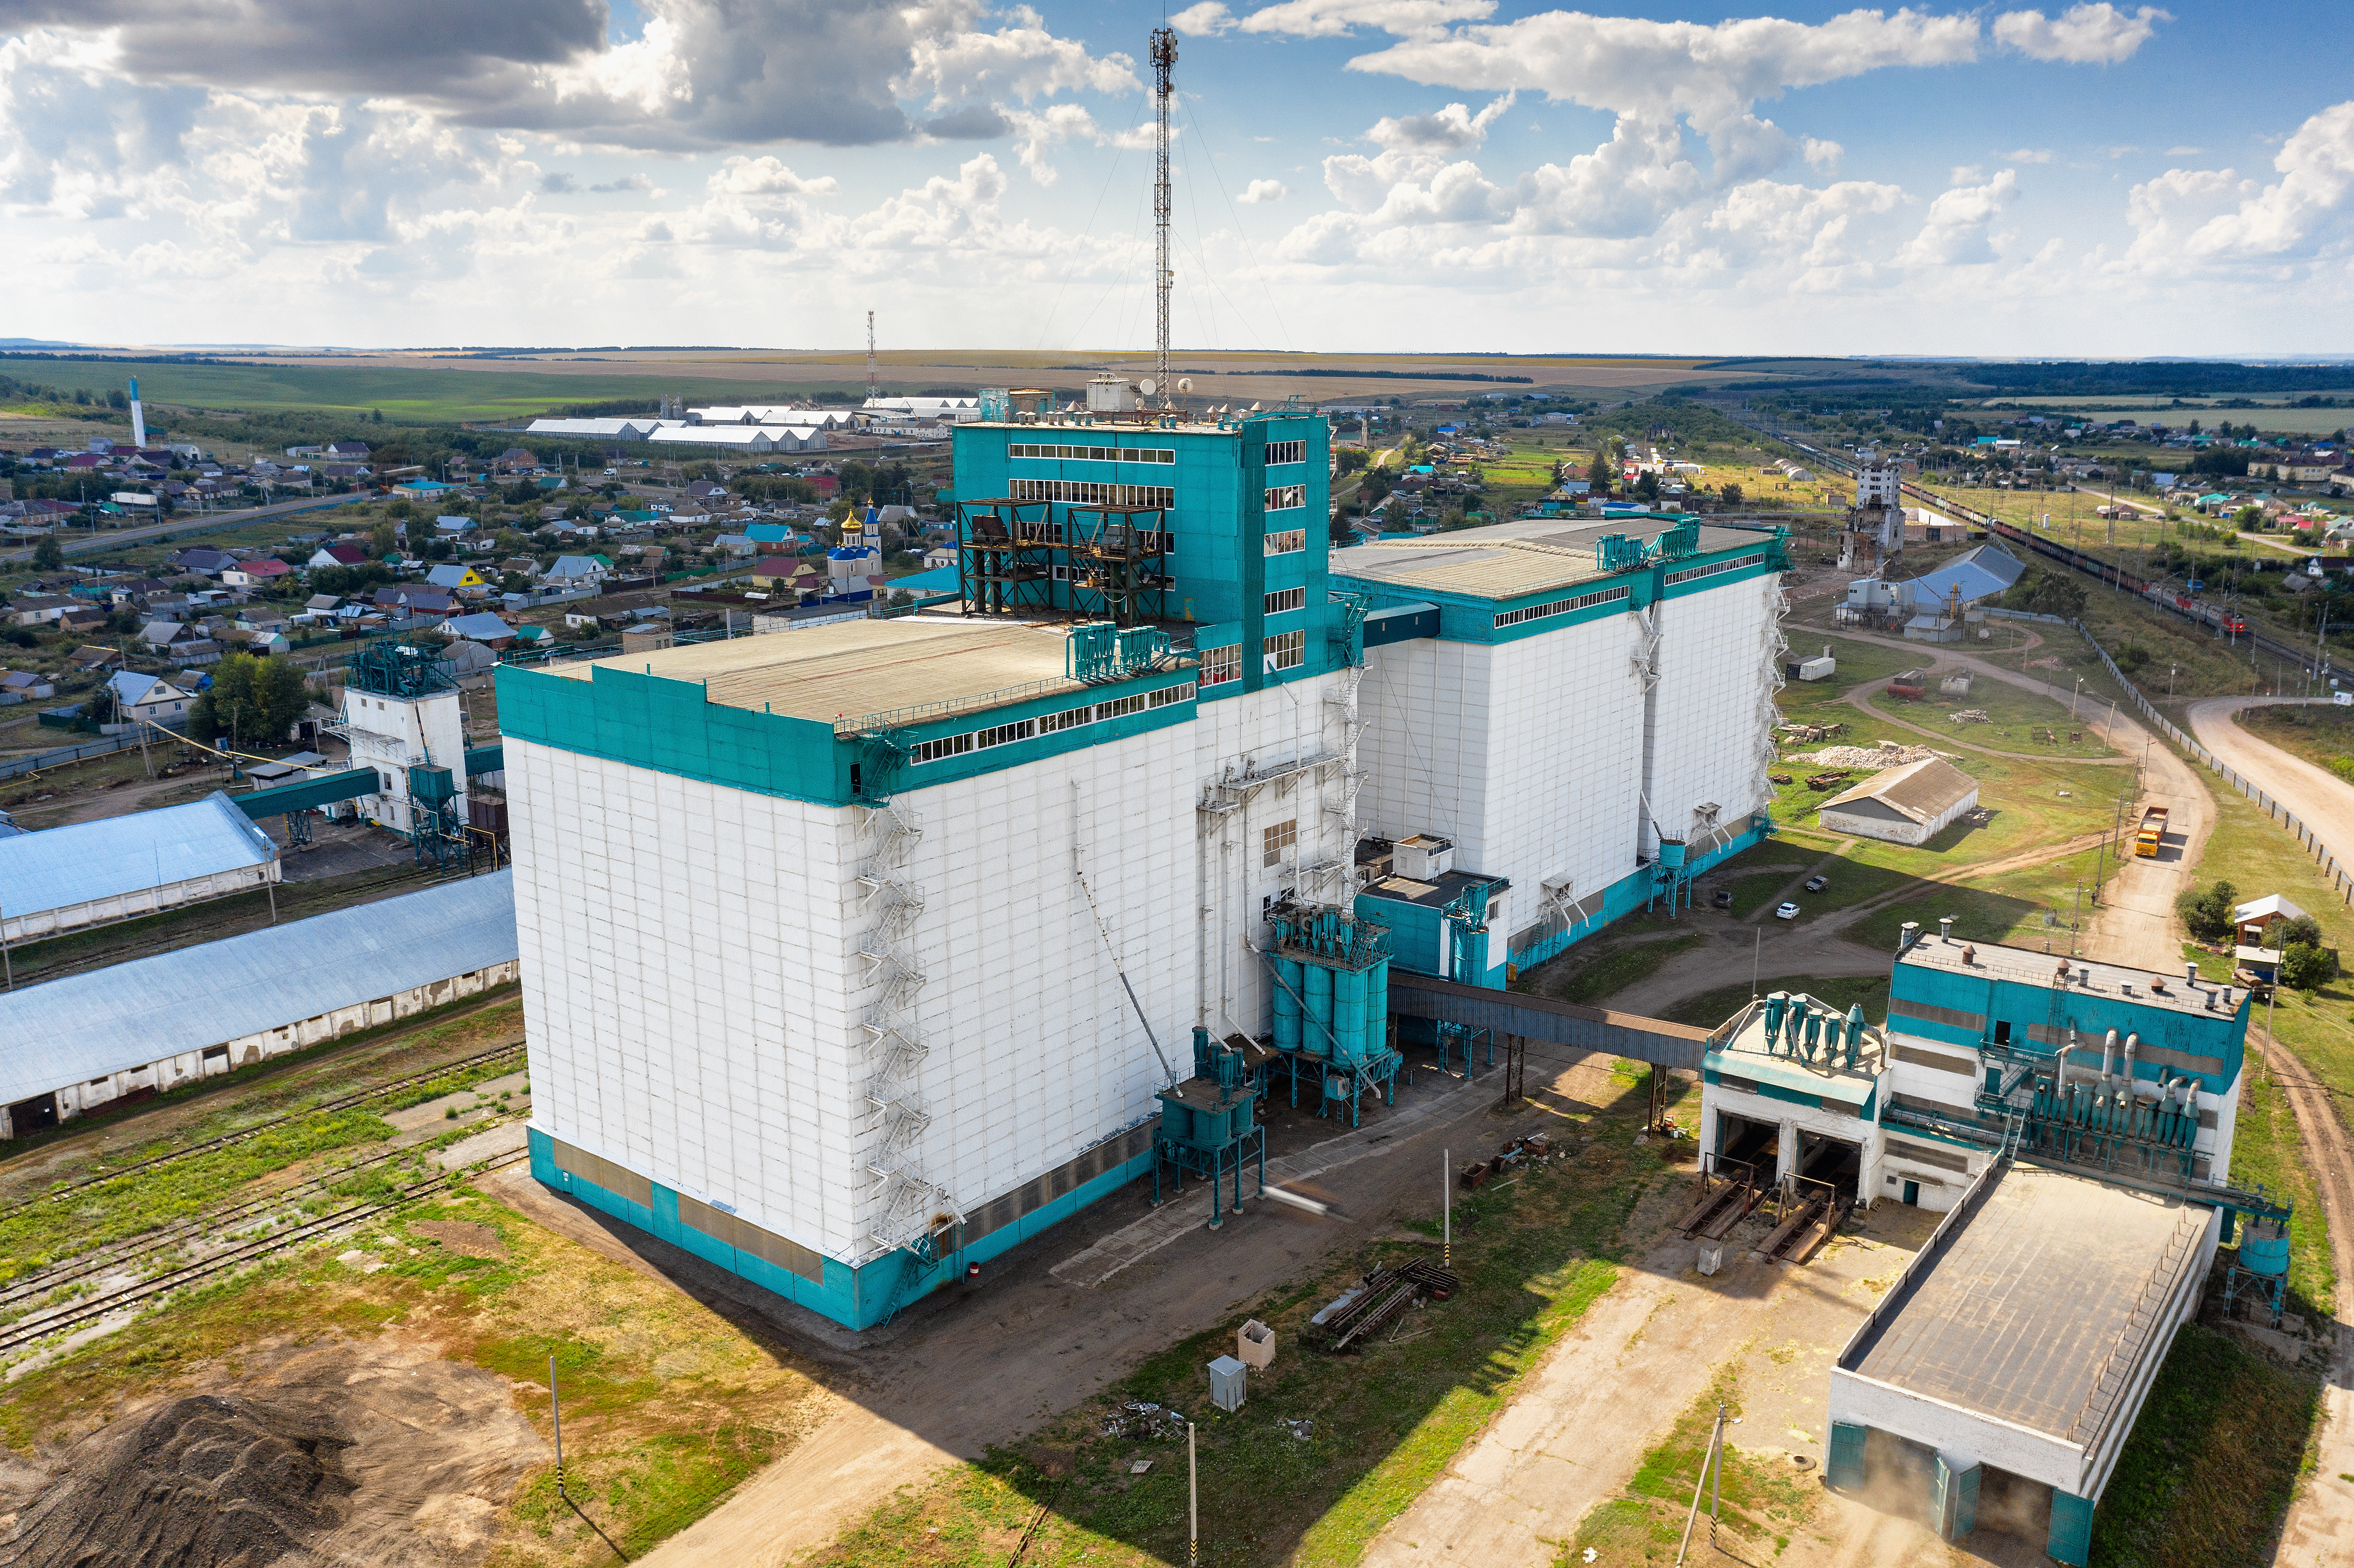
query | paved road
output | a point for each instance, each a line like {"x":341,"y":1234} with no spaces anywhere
{"x":115,"y":538}
{"x":2324,"y":801}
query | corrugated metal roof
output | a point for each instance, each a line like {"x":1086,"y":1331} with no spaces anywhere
{"x":1981,"y":574}
{"x":109,"y":1021}
{"x":1921,"y":790}
{"x":74,"y":864}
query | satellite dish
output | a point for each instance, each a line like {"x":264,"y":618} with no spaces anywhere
{"x":1147,"y":386}
{"x":1185,"y":383}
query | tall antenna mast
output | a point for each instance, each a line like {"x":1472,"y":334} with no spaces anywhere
{"x":871,"y":391}
{"x":1164,"y":56}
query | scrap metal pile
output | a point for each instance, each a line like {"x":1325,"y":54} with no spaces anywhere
{"x":1343,"y":1323}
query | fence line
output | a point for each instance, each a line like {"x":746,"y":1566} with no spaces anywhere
{"x":16,"y":767}
{"x":2309,"y":840}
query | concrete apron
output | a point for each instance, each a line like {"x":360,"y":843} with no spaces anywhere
{"x":1574,"y":1435}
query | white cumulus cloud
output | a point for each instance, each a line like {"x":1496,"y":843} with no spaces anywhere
{"x":1264,"y":191}
{"x":2190,"y":215}
{"x":2082,"y":35}
{"x":1960,"y":227}
{"x":1334,"y":18}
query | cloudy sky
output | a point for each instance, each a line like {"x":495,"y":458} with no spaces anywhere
{"x":1439,"y":174}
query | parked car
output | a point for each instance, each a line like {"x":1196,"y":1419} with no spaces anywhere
{"x":1816,"y":883}
{"x":1723,"y":899}
{"x":1786,"y":912}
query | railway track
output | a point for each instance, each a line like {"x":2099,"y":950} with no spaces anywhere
{"x":2203,"y":613}
{"x":72,"y":1315}
{"x":326,"y":1107}
{"x":195,"y":1227}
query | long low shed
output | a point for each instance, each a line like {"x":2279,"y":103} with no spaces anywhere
{"x":70,"y":1045}
{"x":92,"y":874}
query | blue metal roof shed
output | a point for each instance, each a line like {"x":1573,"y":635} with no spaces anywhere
{"x":120,"y":1019}
{"x":84,"y":863}
{"x":1981,"y":574}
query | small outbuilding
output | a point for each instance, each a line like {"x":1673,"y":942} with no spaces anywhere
{"x":1907,"y":805}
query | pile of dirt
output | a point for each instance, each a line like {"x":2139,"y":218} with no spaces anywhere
{"x":207,"y":1481}
{"x":306,"y":1454}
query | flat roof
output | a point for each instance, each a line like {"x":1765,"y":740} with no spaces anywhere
{"x":1744,"y":1056}
{"x":1506,"y":560}
{"x":58,"y":867}
{"x":2025,"y":966}
{"x":841,"y":671}
{"x":1431,"y":893}
{"x":2034,"y":1298}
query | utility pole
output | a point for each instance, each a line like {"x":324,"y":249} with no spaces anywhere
{"x":1164,"y":58}
{"x":871,"y":386}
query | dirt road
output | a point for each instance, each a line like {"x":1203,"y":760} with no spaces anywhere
{"x":2319,"y":1531}
{"x":2135,"y":923}
{"x":2324,"y":801}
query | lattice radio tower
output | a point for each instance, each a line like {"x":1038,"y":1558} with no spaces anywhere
{"x":1164,"y":57}
{"x":871,"y":388}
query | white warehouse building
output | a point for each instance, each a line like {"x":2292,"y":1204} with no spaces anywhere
{"x":855,"y":954}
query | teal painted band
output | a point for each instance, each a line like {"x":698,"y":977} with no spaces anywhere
{"x":667,"y":727}
{"x":855,"y":1298}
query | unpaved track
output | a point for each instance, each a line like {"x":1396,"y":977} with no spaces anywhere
{"x":2325,"y":801}
{"x":2135,"y":923}
{"x":2319,"y":1530}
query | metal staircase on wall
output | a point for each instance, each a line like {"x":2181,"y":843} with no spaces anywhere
{"x":904,"y":1201}
{"x":1769,"y":715}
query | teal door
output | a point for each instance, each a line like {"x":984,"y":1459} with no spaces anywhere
{"x":1913,"y":1193}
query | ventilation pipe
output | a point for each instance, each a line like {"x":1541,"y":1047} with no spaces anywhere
{"x":2109,"y":1058}
{"x":2133,"y":1043}
{"x":1945,"y":927}
{"x":2061,"y":1085}
{"x":1907,"y":934}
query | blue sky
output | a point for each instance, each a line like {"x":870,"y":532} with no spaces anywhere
{"x":1352,"y":175}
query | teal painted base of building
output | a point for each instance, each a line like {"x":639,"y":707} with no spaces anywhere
{"x":2071,"y":1540}
{"x":856,"y":1297}
{"x":1625,"y":896}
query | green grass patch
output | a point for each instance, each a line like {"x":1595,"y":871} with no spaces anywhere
{"x":2031,"y":906}
{"x":1596,"y":975}
{"x":2016,"y":721}
{"x":1533,"y":1254}
{"x":2212,"y":1463}
{"x":1763,"y":1503}
{"x":146,"y":1200}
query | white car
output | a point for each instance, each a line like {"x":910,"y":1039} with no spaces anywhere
{"x":1786,"y":912}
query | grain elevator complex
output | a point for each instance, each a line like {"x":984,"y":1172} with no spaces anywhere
{"x":854,"y":954}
